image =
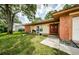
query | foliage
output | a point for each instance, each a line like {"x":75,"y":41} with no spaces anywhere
{"x":3,"y":27}
{"x":9,"y":11}
{"x":33,"y":31}
{"x":35,"y":20}
{"x":16,"y":20}
{"x":20,"y":30}
{"x":41,"y":29}
{"x":50,"y":14}
{"x":67,"y":6}
{"x":29,"y":10}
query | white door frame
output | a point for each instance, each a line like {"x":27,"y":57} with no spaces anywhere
{"x":75,"y":29}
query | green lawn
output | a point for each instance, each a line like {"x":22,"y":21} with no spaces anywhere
{"x":25,"y":44}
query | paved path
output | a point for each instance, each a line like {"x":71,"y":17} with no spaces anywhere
{"x":54,"y":42}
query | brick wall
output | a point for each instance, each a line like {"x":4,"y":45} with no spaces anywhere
{"x":65,"y":27}
{"x":27,"y":29}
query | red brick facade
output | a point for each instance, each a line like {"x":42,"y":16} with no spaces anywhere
{"x":27,"y":29}
{"x":65,"y":28}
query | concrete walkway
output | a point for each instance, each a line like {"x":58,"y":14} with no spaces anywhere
{"x":54,"y":43}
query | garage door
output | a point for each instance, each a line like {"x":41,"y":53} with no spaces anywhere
{"x":75,"y":29}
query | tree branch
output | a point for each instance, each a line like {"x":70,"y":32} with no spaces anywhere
{"x":14,"y":14}
{"x":2,"y":8}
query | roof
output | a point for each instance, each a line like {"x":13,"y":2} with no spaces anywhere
{"x":43,"y":22}
{"x":74,"y":13}
{"x":66,"y":11}
{"x":18,"y":24}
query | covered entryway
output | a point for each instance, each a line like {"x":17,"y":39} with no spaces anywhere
{"x":53,"y":29}
{"x":75,"y":29}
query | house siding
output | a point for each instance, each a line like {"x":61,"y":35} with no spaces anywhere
{"x":65,"y":29}
{"x":45,"y":28}
{"x":17,"y":26}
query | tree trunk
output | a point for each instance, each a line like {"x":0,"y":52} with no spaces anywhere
{"x":9,"y":20}
{"x":10,"y":27}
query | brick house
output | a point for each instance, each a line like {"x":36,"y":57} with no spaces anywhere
{"x":44,"y":27}
{"x":65,"y":24}
{"x":68,"y":23}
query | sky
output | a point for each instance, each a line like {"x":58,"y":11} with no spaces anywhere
{"x":41,"y":12}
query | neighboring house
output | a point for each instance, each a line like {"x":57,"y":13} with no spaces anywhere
{"x":43,"y":27}
{"x":17,"y":26}
{"x":65,"y":24}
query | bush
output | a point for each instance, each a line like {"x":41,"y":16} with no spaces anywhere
{"x":20,"y":30}
{"x":3,"y":29}
{"x":41,"y":29}
{"x":33,"y":31}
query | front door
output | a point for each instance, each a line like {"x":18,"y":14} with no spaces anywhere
{"x":53,"y":28}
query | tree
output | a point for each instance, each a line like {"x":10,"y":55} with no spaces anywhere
{"x":67,"y":6}
{"x":16,"y":20}
{"x":50,"y":14}
{"x":37,"y":19}
{"x":9,"y":11}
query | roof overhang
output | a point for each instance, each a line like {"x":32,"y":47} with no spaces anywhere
{"x":42,"y":22}
{"x":74,"y":14}
{"x":64,"y":12}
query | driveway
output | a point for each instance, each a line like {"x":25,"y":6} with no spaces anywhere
{"x":54,"y":42}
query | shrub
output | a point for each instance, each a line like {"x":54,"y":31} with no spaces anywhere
{"x":33,"y":31}
{"x":41,"y":29}
{"x":3,"y":28}
{"x":20,"y":30}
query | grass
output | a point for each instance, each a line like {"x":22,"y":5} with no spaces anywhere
{"x":44,"y":50}
{"x":25,"y":44}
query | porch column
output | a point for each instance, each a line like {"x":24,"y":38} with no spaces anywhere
{"x":65,"y":27}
